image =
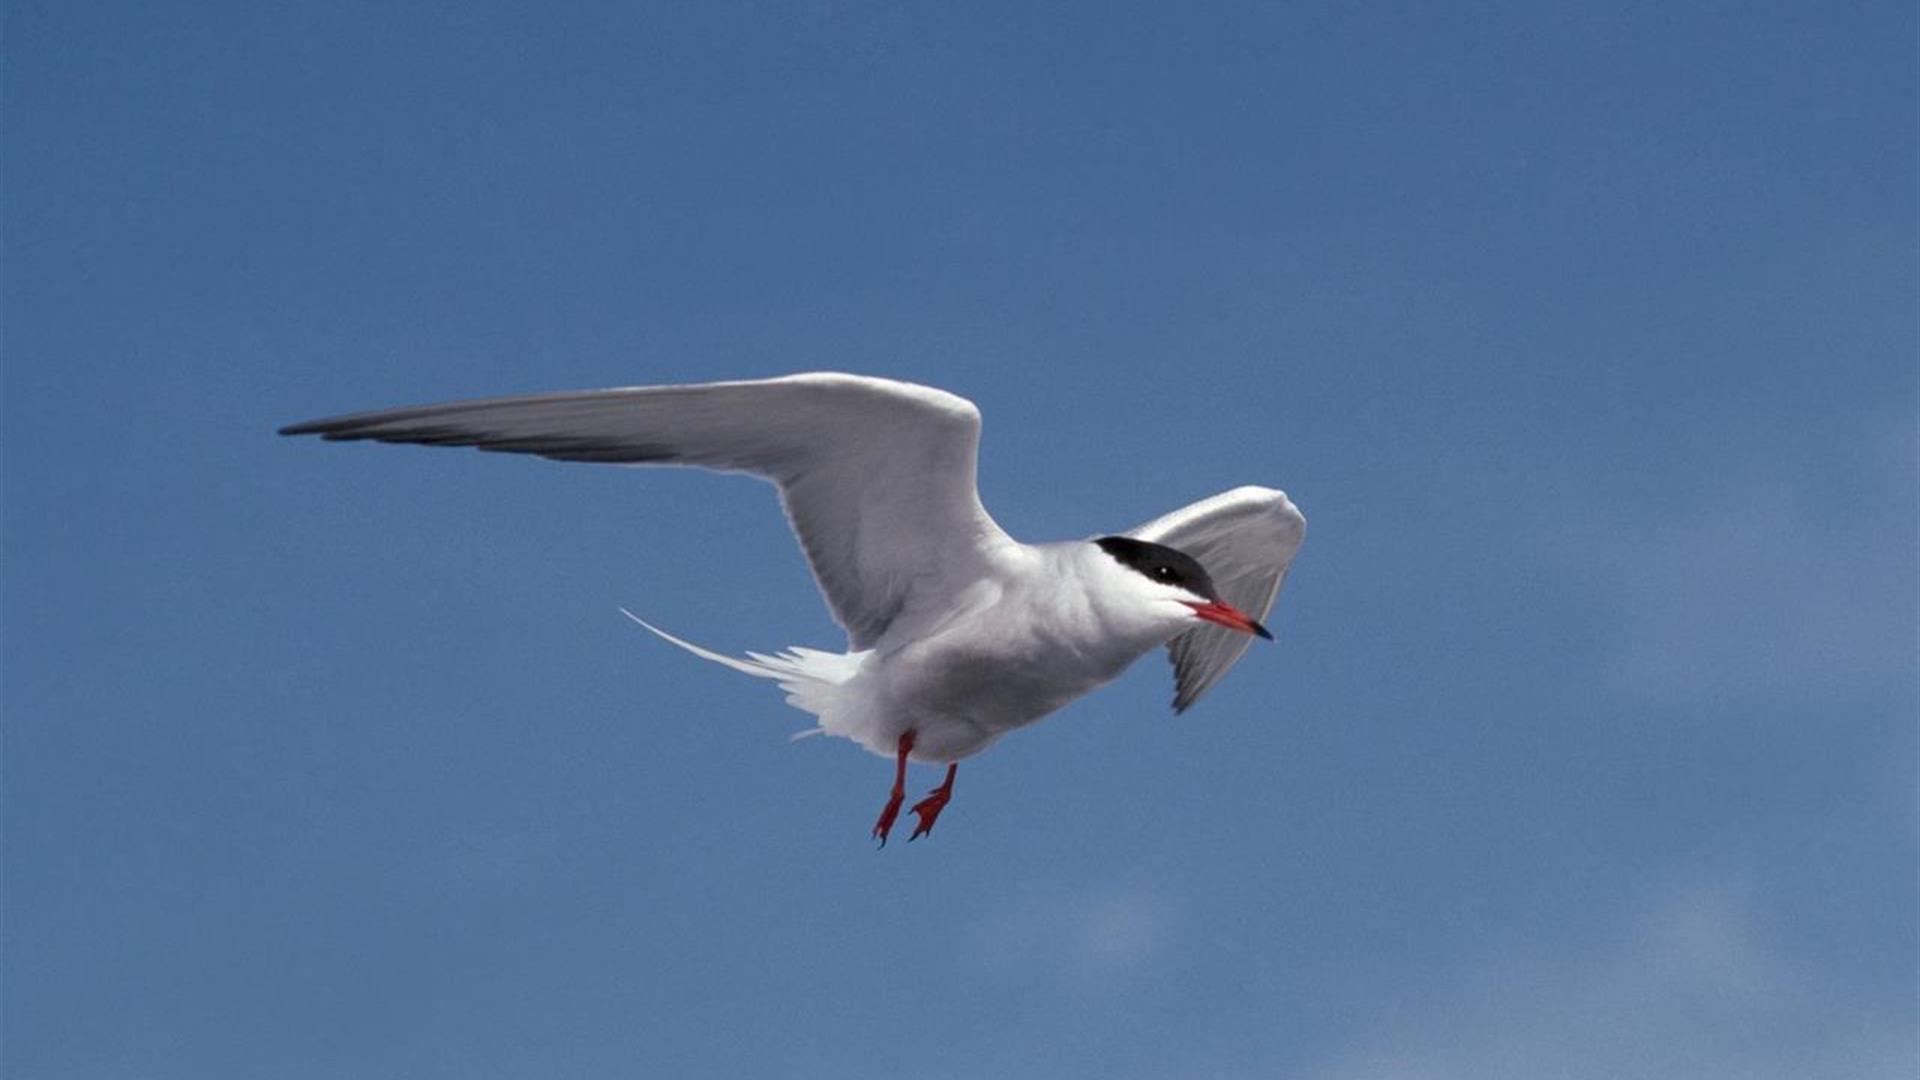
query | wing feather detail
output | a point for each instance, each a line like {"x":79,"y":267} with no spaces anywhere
{"x":1246,"y":538}
{"x":877,"y":477}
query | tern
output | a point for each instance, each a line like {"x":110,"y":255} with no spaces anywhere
{"x":956,"y":632}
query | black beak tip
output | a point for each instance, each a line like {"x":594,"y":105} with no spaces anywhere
{"x":1262,"y":631}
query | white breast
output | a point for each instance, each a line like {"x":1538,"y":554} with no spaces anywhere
{"x":1021,"y":648}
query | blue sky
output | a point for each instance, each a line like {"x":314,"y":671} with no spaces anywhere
{"x":1583,"y":335}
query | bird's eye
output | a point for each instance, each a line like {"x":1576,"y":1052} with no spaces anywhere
{"x":1164,"y":573}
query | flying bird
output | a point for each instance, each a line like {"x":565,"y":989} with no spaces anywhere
{"x":956,"y":632}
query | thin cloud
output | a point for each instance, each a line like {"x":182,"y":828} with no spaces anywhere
{"x":1765,"y":587}
{"x":1691,"y":988}
{"x":1087,"y":937}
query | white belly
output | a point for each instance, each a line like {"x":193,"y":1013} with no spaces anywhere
{"x":960,"y":691}
{"x":1006,"y":653}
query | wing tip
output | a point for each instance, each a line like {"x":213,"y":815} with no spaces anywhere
{"x":332,"y":428}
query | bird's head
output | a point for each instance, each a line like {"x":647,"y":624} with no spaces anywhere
{"x":1173,"y":584}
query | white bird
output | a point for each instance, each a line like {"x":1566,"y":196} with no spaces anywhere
{"x":956,"y":632}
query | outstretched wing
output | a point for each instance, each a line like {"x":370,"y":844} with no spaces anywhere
{"x":1245,"y":538}
{"x":876,"y":476}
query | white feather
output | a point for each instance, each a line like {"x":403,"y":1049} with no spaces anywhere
{"x":956,"y":632}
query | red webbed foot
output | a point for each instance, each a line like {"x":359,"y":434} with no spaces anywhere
{"x":892,"y":810}
{"x":929,"y":808}
{"x":899,"y":793}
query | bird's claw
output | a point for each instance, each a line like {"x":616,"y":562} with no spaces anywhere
{"x":885,"y":825}
{"x":929,"y":809}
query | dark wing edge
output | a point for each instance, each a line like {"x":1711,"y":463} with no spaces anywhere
{"x":877,"y":477}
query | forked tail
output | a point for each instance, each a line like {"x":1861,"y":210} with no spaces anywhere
{"x":811,"y":677}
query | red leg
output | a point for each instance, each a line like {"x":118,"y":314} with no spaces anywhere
{"x":936,"y":801}
{"x":899,"y":794}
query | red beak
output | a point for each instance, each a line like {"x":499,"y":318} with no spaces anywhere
{"x":1219,"y":611}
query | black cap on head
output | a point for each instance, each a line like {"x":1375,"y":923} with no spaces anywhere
{"x":1160,"y":563}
